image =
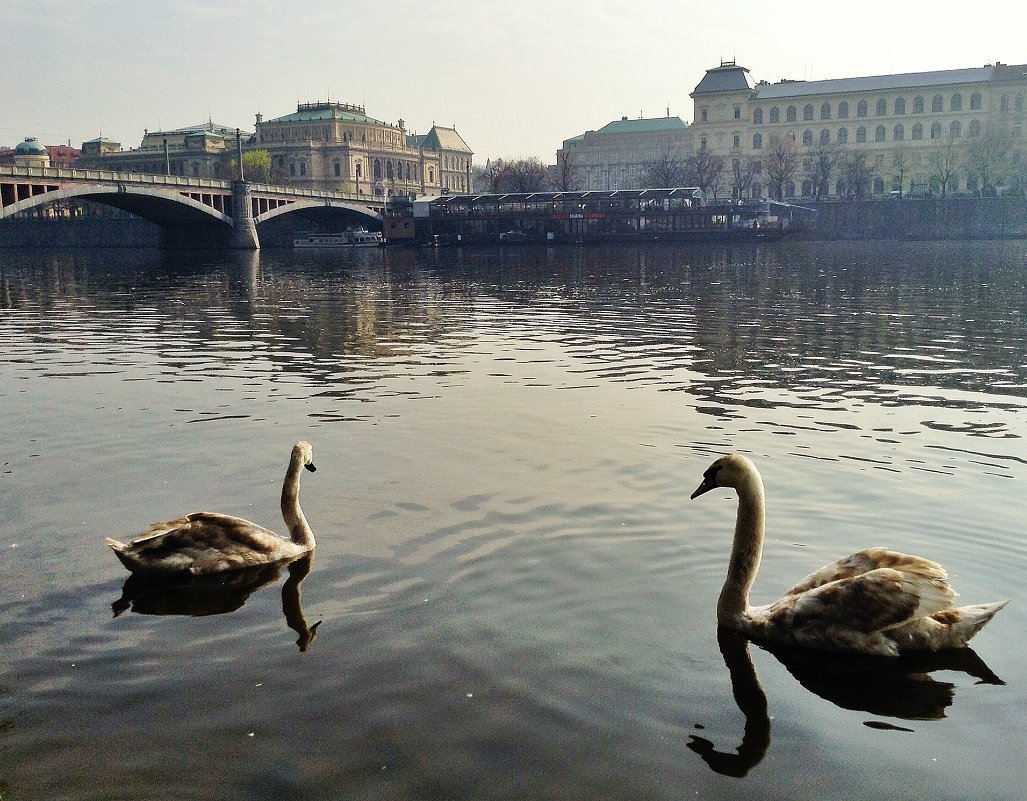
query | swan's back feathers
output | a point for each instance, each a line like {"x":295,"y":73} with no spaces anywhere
{"x":871,"y":559}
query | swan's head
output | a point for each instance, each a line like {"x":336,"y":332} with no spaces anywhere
{"x":728,"y":471}
{"x":304,"y":454}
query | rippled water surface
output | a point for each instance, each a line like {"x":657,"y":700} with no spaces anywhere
{"x":517,"y":597}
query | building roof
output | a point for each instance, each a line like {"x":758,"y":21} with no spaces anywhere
{"x":203,"y":127}
{"x":728,"y":77}
{"x":30,"y":146}
{"x":643,"y":125}
{"x":439,"y":138}
{"x":317,"y":112}
{"x":909,"y":80}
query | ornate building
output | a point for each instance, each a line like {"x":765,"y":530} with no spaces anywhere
{"x":336,"y":146}
{"x":907,"y":125}
{"x":206,"y":150}
{"x":620,"y":154}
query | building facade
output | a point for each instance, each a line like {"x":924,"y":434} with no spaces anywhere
{"x":337,"y":146}
{"x":621,"y":153}
{"x":206,"y":150}
{"x":914,"y":132}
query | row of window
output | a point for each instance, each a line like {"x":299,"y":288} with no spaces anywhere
{"x":881,"y":108}
{"x":898,"y":132}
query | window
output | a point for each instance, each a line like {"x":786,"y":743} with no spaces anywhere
{"x":736,"y":141}
{"x":790,"y":189}
{"x":898,"y":133}
{"x":843,"y":136}
{"x":790,"y":114}
{"x":861,"y":108}
{"x":358,"y":170}
{"x":303,"y":168}
{"x":900,"y":106}
{"x":974,"y":128}
{"x":879,"y":160}
{"x":975,"y":101}
{"x":937,"y":104}
{"x":775,"y":114}
{"x":936,"y":131}
{"x":738,"y":112}
{"x":882,"y":107}
{"x":918,"y":131}
{"x":918,"y":105}
{"x":704,"y":114}
{"x":757,"y":142}
{"x":825,"y":137}
{"x":956,"y":104}
{"x":292,"y":168}
{"x":807,"y":138}
{"x":843,"y":110}
{"x":757,"y":116}
{"x":1004,"y":104}
{"x":388,"y":170}
{"x":825,"y":111}
{"x":702,"y":143}
{"x":955,"y":129}
{"x":879,"y":134}
{"x":807,"y":112}
{"x":338,"y":169}
{"x":861,"y":134}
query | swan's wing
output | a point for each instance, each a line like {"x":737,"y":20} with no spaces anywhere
{"x":205,"y":530}
{"x":871,"y":559}
{"x":871,"y":601}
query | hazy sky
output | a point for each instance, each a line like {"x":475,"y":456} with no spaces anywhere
{"x":516,"y":77}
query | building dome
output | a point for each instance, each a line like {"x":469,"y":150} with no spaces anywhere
{"x":30,"y":147}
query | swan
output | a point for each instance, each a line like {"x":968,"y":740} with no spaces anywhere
{"x":875,"y":601}
{"x":206,"y":542}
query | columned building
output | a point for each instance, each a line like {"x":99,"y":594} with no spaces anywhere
{"x":912,"y":131}
{"x":621,"y":153}
{"x":337,"y":146}
{"x":206,"y":150}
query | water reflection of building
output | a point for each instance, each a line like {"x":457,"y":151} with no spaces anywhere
{"x":337,"y":146}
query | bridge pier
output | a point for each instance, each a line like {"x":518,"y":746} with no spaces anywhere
{"x":244,"y":230}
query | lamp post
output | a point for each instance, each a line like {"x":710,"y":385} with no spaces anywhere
{"x":167,"y":158}
{"x":238,"y":152}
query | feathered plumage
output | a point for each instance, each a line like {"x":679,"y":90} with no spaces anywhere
{"x":207,"y":542}
{"x":875,"y":601}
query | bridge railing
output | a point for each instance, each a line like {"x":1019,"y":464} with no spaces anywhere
{"x":72,"y":174}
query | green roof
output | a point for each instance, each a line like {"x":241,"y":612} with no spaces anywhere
{"x":626,"y":126}
{"x":318,"y":112}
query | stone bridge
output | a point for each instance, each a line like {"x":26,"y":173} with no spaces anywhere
{"x":190,"y":211}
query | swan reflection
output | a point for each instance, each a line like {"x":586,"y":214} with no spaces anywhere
{"x":888,"y":687}
{"x":220,"y":594}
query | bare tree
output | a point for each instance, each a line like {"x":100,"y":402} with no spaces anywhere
{"x":517,"y":175}
{"x":706,"y":168}
{"x":743,"y":174}
{"x":823,"y":159}
{"x":987,"y":155}
{"x":856,"y":173}
{"x":565,"y":173}
{"x":899,"y":166}
{"x":944,"y":162}
{"x":665,"y":171}
{"x":781,"y":163}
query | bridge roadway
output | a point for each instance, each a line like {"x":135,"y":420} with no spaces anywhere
{"x":189,"y":211}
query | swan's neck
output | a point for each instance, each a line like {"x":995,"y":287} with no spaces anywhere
{"x":746,"y":551}
{"x":299,"y":529}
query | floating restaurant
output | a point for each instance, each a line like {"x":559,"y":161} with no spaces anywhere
{"x":679,"y":214}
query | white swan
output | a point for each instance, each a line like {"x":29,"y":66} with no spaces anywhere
{"x":206,"y":542}
{"x":875,"y":601}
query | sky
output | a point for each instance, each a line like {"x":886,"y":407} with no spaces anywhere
{"x":515,"y":77}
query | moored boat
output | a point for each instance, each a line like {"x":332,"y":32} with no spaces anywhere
{"x":359,"y":238}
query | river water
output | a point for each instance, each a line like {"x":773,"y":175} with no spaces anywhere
{"x":517,"y":599}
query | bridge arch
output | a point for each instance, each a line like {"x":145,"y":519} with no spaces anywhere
{"x":160,"y":206}
{"x":322,"y":210}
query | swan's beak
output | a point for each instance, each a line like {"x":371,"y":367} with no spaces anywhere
{"x":310,"y":466}
{"x":708,"y":483}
